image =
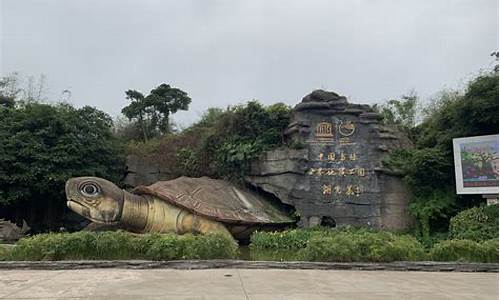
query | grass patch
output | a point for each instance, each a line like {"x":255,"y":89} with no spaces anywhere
{"x":122,"y":245}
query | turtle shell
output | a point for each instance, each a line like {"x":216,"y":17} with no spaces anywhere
{"x":217,"y":200}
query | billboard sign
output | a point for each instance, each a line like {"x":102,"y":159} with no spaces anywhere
{"x":476,"y":164}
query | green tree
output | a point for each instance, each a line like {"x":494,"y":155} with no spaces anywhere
{"x":242,"y":133}
{"x":455,"y":114}
{"x":429,"y":168}
{"x":15,"y":88}
{"x":137,"y":109}
{"x":153,"y":112}
{"x":223,"y":143}
{"x":44,"y":145}
{"x":210,"y":117}
{"x":401,"y":113}
{"x":163,"y":101}
{"x":9,"y":90}
{"x":6,"y":101}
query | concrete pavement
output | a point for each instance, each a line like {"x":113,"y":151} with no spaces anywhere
{"x":244,"y":284}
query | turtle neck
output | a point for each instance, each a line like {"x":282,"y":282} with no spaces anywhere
{"x":135,"y":212}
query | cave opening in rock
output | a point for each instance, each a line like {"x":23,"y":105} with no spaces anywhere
{"x":328,"y":222}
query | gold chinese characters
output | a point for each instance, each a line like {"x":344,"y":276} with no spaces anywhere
{"x":349,"y":190}
{"x":337,"y":172}
{"x":332,"y":156}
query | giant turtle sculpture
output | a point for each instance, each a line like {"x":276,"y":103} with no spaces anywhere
{"x":183,"y":205}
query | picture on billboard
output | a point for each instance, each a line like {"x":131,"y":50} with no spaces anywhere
{"x":476,"y":164}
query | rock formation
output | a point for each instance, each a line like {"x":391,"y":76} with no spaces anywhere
{"x":334,"y":175}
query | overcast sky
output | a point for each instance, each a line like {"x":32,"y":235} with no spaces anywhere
{"x":227,"y":52}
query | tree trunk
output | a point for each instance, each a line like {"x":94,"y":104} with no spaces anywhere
{"x":141,"y":121}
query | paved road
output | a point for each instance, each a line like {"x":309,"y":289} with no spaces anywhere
{"x":244,"y":284}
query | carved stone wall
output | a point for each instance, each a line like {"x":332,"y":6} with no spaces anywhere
{"x":145,"y":170}
{"x":337,"y":177}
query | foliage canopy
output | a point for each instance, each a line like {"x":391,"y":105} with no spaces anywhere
{"x":429,"y":167}
{"x":44,"y":145}
{"x":223,"y":143}
{"x":152,"y":112}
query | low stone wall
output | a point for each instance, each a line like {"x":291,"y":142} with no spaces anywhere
{"x":241,"y":264}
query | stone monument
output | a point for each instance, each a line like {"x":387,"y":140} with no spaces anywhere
{"x":333,"y":172}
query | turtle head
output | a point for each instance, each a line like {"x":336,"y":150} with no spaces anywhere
{"x":95,"y":198}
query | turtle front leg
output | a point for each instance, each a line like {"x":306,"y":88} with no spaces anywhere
{"x":189,"y":222}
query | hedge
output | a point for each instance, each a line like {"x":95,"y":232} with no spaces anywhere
{"x":466,"y":251}
{"x":4,"y":252}
{"x":339,"y":245}
{"x":292,"y":239}
{"x":344,"y":244}
{"x":122,"y":245}
{"x":350,"y":244}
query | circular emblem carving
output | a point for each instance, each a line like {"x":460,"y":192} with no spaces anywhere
{"x":346,"y":128}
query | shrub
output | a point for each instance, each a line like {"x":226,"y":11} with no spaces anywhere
{"x":171,"y":246}
{"x":341,"y":244}
{"x":114,"y":245}
{"x":491,"y":250}
{"x":433,"y":207}
{"x":211,"y":246}
{"x":338,"y":248}
{"x":363,"y":246}
{"x":293,"y":239}
{"x":478,"y":224}
{"x":143,"y":148}
{"x":166,"y":247}
{"x":466,"y":251}
{"x":79,"y":245}
{"x":403,"y":248}
{"x":122,"y":245}
{"x":5,"y":251}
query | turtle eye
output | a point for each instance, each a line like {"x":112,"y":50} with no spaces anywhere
{"x":89,"y":189}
